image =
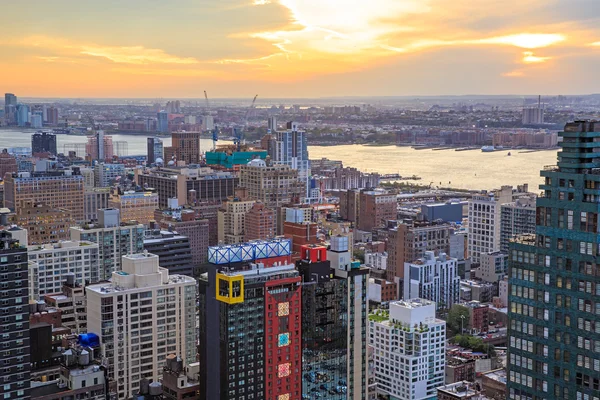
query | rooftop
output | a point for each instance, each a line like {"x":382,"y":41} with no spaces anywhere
{"x":460,"y":389}
{"x":497,"y":375}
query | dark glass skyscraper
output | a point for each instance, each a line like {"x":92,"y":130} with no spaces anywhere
{"x":42,"y":142}
{"x":554,"y":279}
{"x":14,"y":318}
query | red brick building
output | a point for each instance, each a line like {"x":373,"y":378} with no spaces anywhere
{"x":302,"y":234}
{"x":260,"y":223}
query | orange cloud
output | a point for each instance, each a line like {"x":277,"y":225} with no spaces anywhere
{"x":529,"y":58}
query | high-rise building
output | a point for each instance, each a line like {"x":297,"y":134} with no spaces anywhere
{"x":43,"y":224}
{"x":10,"y":108}
{"x":208,"y":123}
{"x":232,"y":220}
{"x":191,"y":186}
{"x":172,"y":249}
{"x":155,"y":151}
{"x":484,"y":222}
{"x":409,"y":242}
{"x":350,"y":205}
{"x":43,"y":142}
{"x":273,"y":185}
{"x":14,"y":357}
{"x":433,"y":278}
{"x":8,"y":163}
{"x":100,"y":146}
{"x":52,"y":116}
{"x":143,"y":314}
{"x":135,"y":206}
{"x":554,"y":285}
{"x":52,"y":262}
{"x":23,"y":115}
{"x":334,"y":320}
{"x":533,"y":115}
{"x":106,"y":174}
{"x":517,"y":218}
{"x":56,"y":189}
{"x":115,"y":240}
{"x":292,"y":150}
{"x":375,"y":209}
{"x":272,"y":124}
{"x":163,"y":121}
{"x":95,"y":198}
{"x":185,"y":146}
{"x":260,"y":223}
{"x":409,"y":346}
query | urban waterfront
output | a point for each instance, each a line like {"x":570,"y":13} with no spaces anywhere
{"x":471,"y":169}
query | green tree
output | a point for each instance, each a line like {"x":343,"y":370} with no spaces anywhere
{"x":455,"y":318}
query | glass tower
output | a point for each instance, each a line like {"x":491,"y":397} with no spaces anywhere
{"x":554,"y":279}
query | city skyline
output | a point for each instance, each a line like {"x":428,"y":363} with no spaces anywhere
{"x":291,"y":48}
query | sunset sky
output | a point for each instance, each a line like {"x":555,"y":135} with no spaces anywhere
{"x":298,"y":48}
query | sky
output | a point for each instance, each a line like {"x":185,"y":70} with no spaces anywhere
{"x":298,"y":48}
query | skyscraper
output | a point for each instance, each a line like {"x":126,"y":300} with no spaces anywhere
{"x":185,"y":147}
{"x":42,"y":142}
{"x":100,"y":146}
{"x":10,"y":108}
{"x":14,"y":341}
{"x":163,"y":121}
{"x":143,"y":314}
{"x":292,"y":150}
{"x":155,"y":150}
{"x":23,"y":114}
{"x":554,"y":284}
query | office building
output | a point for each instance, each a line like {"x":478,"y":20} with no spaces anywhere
{"x":191,"y":186}
{"x":135,"y":206}
{"x":554,"y":314}
{"x":163,"y":121}
{"x":10,"y":108}
{"x":409,"y":344}
{"x":173,"y":250}
{"x":334,"y":320}
{"x":56,"y":189}
{"x":95,"y":198}
{"x":107,"y":174}
{"x":14,"y":340}
{"x":493,"y":267}
{"x":43,"y":224}
{"x":273,"y":185}
{"x":99,"y":147}
{"x":52,"y":116}
{"x":433,"y":278}
{"x":232,"y":220}
{"x":517,"y":218}
{"x":484,"y":222}
{"x":186,"y":222}
{"x":292,"y":150}
{"x":43,"y":142}
{"x":155,"y":151}
{"x":260,"y":223}
{"x":114,"y":239}
{"x":8,"y":163}
{"x":185,"y":147}
{"x":71,"y":302}
{"x":52,"y":262}
{"x":23,"y":114}
{"x":409,"y":241}
{"x":142,"y":315}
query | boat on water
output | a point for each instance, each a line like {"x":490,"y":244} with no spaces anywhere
{"x":488,"y":149}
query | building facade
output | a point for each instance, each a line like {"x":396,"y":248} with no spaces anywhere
{"x":135,"y":206}
{"x":433,"y":278}
{"x":409,"y":346}
{"x":43,"y":224}
{"x":375,"y":209}
{"x":141,"y":316}
{"x":232,"y":220}
{"x":173,"y":250}
{"x":106,"y":174}
{"x":260,"y":223}
{"x":185,"y":147}
{"x":554,"y":312}
{"x":274,"y":185}
{"x":154,"y":151}
{"x":493,"y":267}
{"x":43,"y":142}
{"x":517,"y":218}
{"x":14,"y":340}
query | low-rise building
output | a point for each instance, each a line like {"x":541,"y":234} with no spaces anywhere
{"x":72,"y":303}
{"x":493,"y":267}
{"x":459,"y":391}
{"x":460,"y":369}
{"x":381,"y":291}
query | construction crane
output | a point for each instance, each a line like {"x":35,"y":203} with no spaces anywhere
{"x":207,"y":104}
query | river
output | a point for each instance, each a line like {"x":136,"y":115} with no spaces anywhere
{"x":471,"y":169}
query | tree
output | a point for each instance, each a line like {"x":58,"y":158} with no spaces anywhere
{"x":455,"y":322}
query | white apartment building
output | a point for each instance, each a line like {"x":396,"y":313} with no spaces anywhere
{"x":433,"y":278}
{"x":484,"y":222}
{"x":141,"y":316}
{"x":376,"y":260}
{"x":51,"y":263}
{"x":409,"y":349}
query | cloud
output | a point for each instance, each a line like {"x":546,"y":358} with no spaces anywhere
{"x":529,"y":58}
{"x":135,"y":55}
{"x":514,"y":74}
{"x":527,"y":40}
